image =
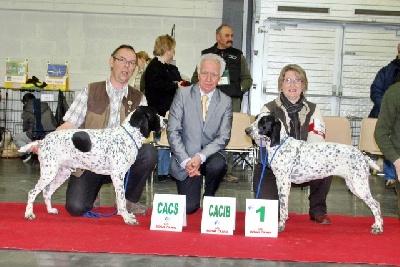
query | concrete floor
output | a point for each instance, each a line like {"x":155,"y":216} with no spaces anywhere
{"x":17,"y":178}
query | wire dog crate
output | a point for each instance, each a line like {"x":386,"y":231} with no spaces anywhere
{"x":355,"y":125}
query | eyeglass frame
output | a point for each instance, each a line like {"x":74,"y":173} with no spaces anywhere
{"x":290,"y":80}
{"x":213,"y":75}
{"x":123,"y":61}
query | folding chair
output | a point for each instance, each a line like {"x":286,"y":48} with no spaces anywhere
{"x":240,"y":143}
{"x":367,"y":141}
{"x":338,"y":130}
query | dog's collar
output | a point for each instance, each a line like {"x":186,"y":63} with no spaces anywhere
{"x":265,"y":161}
{"x":133,"y":139}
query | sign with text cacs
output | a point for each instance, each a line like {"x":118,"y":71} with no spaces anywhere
{"x":219,"y":214}
{"x":169,"y":212}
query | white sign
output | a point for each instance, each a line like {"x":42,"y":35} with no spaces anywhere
{"x":169,"y":212}
{"x":261,"y":218}
{"x":16,"y":79}
{"x":46,"y":97}
{"x":219,"y":214}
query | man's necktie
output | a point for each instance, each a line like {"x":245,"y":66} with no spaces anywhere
{"x":204,"y":99}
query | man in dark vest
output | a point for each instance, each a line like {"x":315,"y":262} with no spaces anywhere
{"x":236,"y":79}
{"x":105,"y":104}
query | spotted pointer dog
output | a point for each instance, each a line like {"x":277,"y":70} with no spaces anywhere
{"x":109,"y":151}
{"x":296,"y":161}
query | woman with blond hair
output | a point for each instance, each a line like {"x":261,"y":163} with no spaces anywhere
{"x":161,"y":79}
{"x":302,"y":120}
{"x":142,"y":61}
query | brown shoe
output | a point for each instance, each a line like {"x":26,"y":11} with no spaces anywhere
{"x":136,"y":208}
{"x":231,"y":178}
{"x":321,"y":219}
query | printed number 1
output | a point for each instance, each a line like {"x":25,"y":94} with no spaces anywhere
{"x":261,"y":210}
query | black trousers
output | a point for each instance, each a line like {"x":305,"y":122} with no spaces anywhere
{"x":214,"y":169}
{"x":82,"y":191}
{"x":268,"y":190}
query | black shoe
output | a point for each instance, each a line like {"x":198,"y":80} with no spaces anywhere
{"x":34,"y":159}
{"x":162,"y":178}
{"x":26,"y":157}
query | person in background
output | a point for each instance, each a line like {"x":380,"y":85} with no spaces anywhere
{"x":199,"y":128}
{"x":387,"y":131}
{"x":29,"y":127}
{"x":302,"y":120}
{"x":162,"y":79}
{"x":143,"y":60}
{"x":105,"y":104}
{"x":236,"y":78}
{"x":383,"y":80}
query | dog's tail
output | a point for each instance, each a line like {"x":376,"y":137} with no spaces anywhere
{"x":26,"y":148}
{"x":372,"y":164}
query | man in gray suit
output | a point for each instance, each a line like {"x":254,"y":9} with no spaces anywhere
{"x":196,"y":144}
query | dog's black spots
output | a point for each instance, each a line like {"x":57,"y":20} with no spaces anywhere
{"x":81,"y":141}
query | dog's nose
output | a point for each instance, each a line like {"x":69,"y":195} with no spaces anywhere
{"x":248,"y":130}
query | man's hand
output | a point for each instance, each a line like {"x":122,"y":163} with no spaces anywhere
{"x":65,"y":126}
{"x":193,"y":166}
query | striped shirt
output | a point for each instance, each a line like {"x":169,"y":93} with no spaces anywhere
{"x":76,"y":114}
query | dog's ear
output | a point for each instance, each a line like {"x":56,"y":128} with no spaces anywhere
{"x":144,"y":128}
{"x":140,"y":119}
{"x":276,"y":132}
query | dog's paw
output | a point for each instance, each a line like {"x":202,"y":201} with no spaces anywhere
{"x":376,"y":230}
{"x":281,"y":226}
{"x":131,"y":219}
{"x":53,"y":211}
{"x":132,"y":222}
{"x":30,"y":216}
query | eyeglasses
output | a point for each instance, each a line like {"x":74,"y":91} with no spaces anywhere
{"x":213,"y":74}
{"x":123,"y":61}
{"x":295,"y":81}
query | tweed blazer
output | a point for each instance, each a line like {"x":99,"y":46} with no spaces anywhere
{"x":188,"y":134}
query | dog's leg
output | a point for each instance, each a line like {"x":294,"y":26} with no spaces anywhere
{"x":62,"y":175}
{"x":118,"y":182}
{"x":359,"y":185}
{"x":29,"y":215}
{"x":283,"y":184}
{"x":47,"y":174}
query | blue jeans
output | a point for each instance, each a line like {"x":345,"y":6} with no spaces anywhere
{"x":389,"y":170}
{"x":163,"y":161}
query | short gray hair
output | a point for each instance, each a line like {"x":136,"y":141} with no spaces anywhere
{"x":212,"y":57}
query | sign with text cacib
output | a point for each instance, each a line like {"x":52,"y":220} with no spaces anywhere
{"x":261,"y":218}
{"x":219,"y":214}
{"x":169,"y":212}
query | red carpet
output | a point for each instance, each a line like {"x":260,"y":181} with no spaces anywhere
{"x":347,"y":240}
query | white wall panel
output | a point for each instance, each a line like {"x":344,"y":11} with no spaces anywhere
{"x":338,"y":9}
{"x":86,"y":32}
{"x":341,"y":52}
{"x":175,"y":8}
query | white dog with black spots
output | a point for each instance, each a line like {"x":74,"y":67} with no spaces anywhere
{"x":109,"y":151}
{"x":296,"y":161}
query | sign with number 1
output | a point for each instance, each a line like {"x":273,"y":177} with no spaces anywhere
{"x":261,"y":218}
